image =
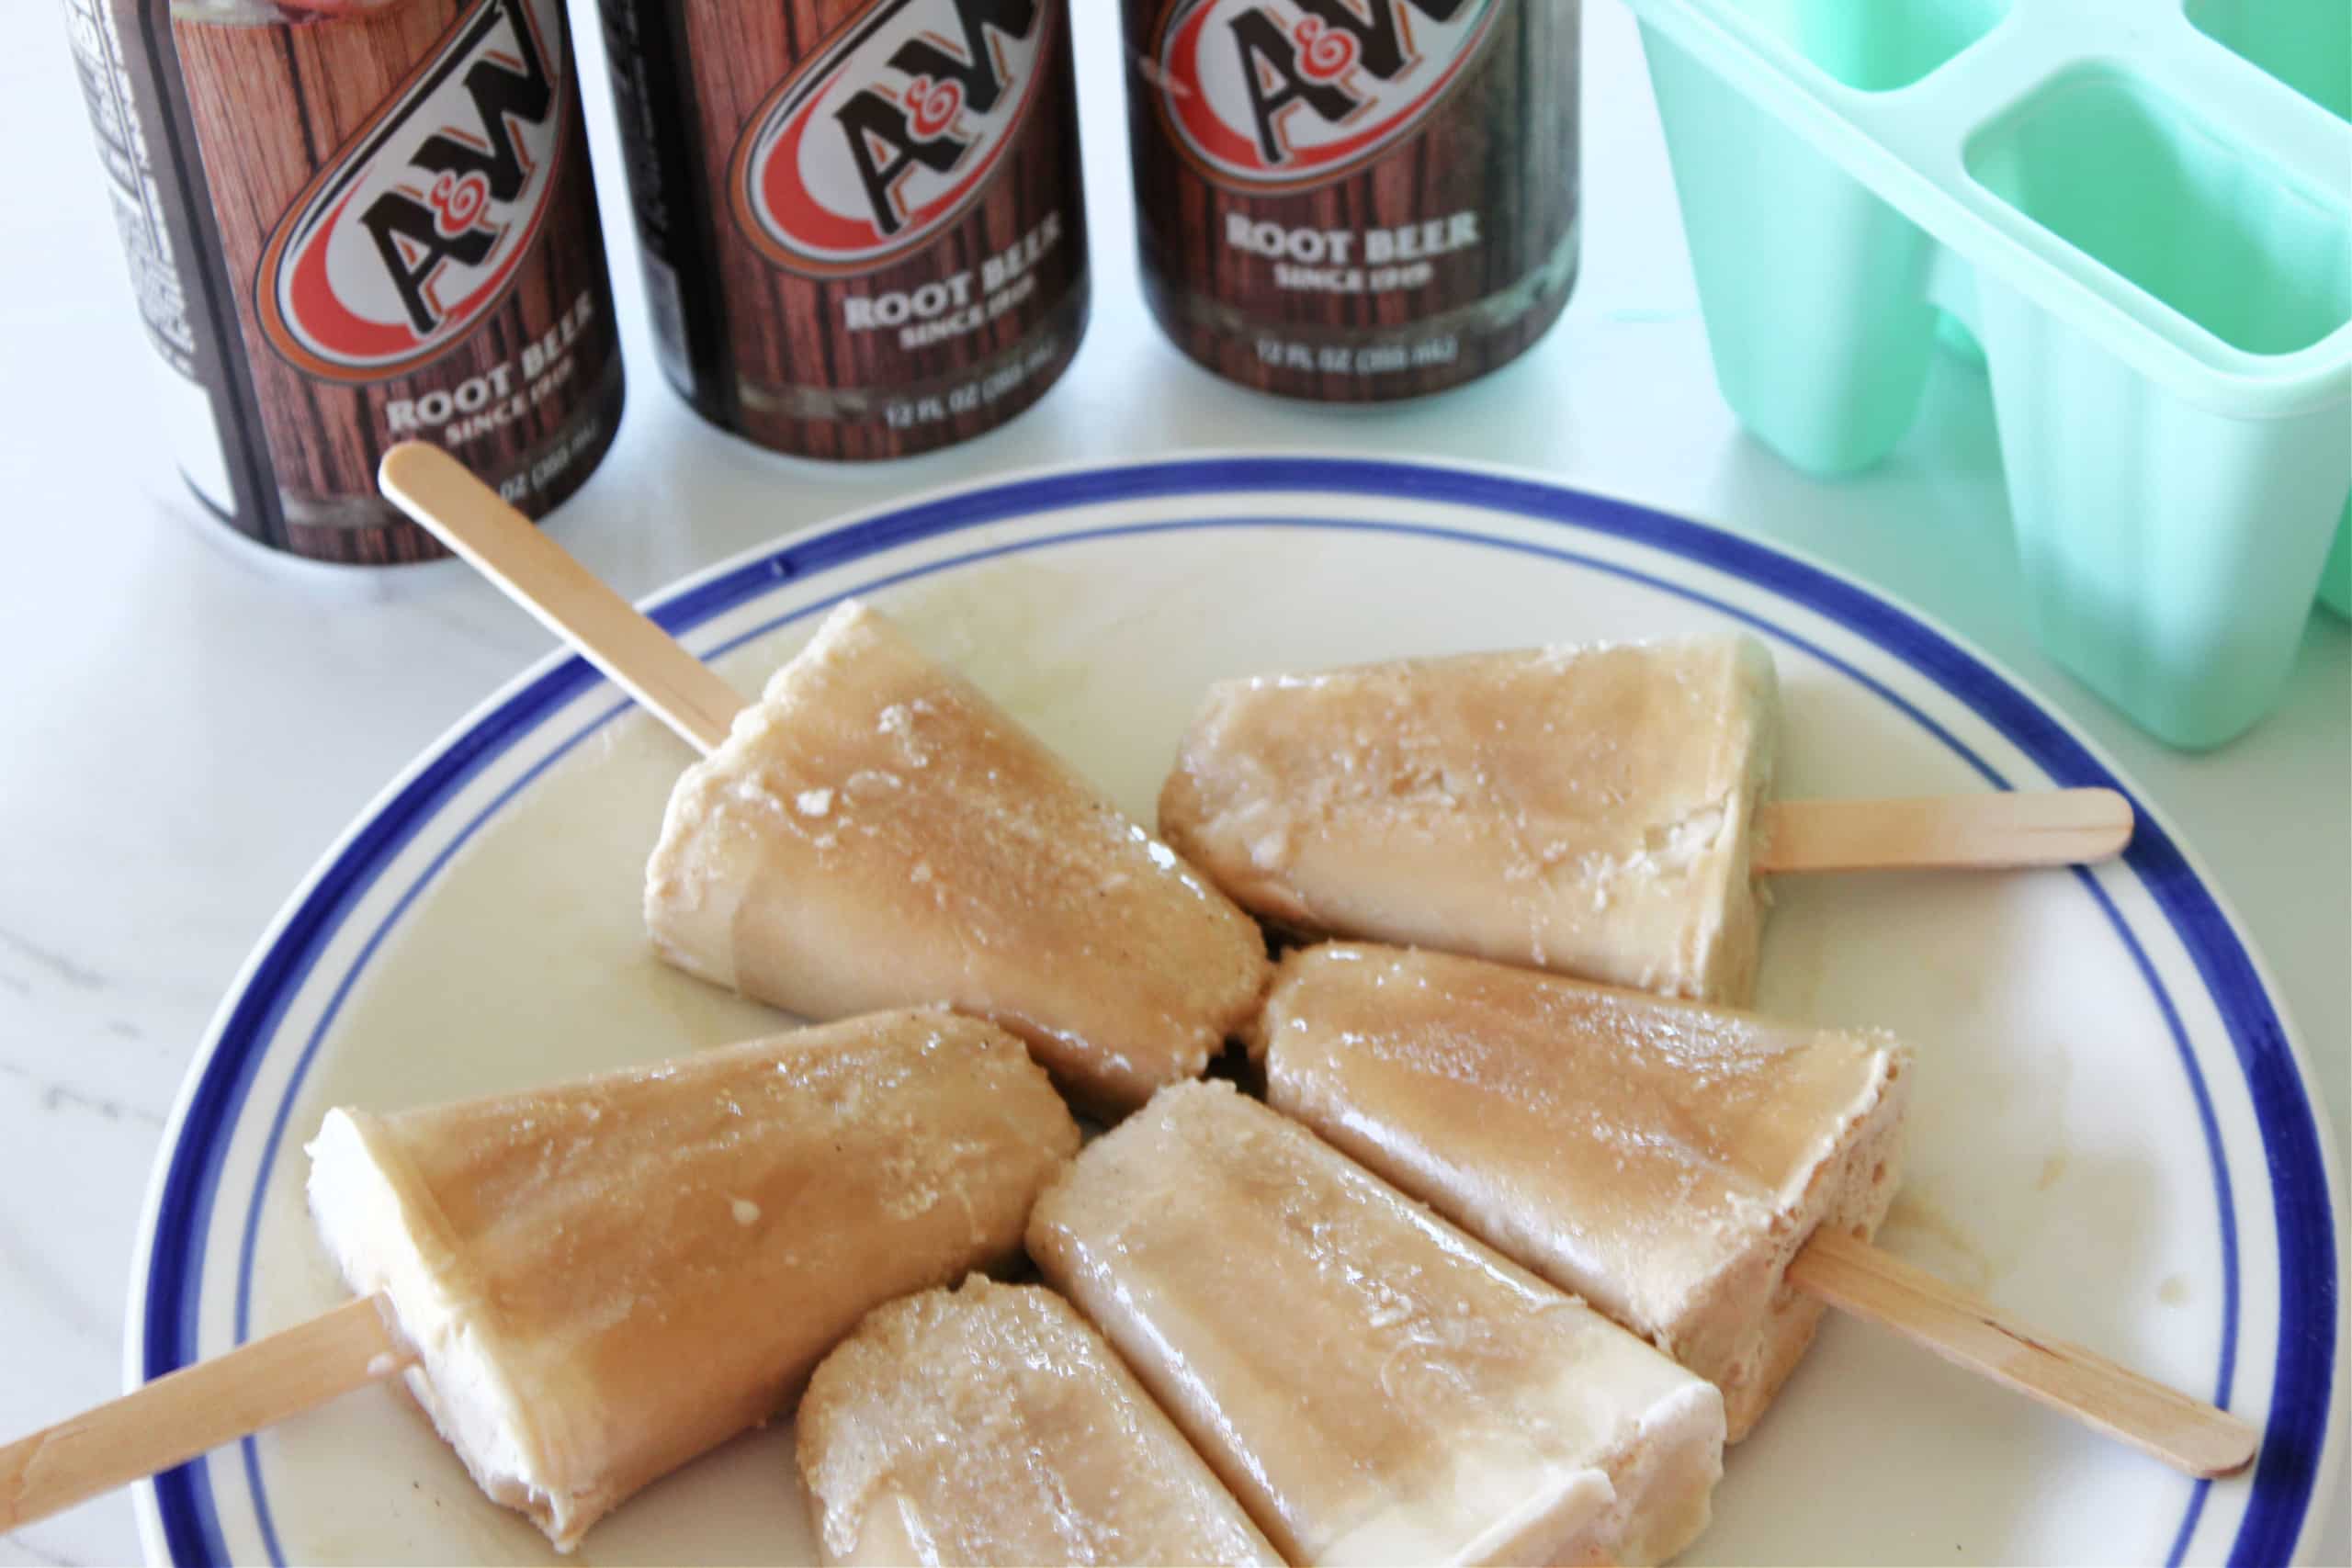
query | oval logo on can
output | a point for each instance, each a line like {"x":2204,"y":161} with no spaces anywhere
{"x":417,"y":227}
{"x":1274,"y":94}
{"x":890,"y":132}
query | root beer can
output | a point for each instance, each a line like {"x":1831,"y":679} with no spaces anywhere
{"x":1355,"y":200}
{"x":351,"y":224}
{"x":864,"y":229}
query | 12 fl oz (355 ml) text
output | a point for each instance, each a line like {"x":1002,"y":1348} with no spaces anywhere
{"x":1359,"y":359}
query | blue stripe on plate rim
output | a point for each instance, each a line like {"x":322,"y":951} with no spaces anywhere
{"x":165,"y":1321}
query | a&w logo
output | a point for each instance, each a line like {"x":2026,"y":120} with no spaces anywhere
{"x":1278,"y":94}
{"x":890,"y":131}
{"x":418,"y":225}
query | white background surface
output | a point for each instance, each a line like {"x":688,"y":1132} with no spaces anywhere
{"x":186,"y":725}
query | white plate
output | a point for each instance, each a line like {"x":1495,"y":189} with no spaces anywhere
{"x":2113,"y":1135}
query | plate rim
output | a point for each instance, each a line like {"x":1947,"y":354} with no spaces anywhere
{"x":1519,"y":493}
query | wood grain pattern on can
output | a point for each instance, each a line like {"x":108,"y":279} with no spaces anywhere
{"x":863,"y":224}
{"x":403,"y":199}
{"x":351,"y":224}
{"x":1355,"y":200}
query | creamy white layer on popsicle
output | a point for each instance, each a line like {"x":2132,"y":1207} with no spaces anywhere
{"x":1374,"y":1385}
{"x":1663,"y":1161}
{"x":1583,"y":811}
{"x":875,"y":832}
{"x":992,"y":1425}
{"x":605,"y":1279}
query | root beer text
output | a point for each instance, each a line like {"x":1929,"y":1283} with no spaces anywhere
{"x":963,"y":302}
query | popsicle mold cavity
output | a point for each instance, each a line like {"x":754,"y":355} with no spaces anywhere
{"x":2307,"y":44}
{"x":2151,"y":241}
{"x":1874,"y":45}
{"x":2146,"y":190}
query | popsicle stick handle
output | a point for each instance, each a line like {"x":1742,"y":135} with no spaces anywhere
{"x":1989,"y":831}
{"x":2163,"y":1422}
{"x":197,"y":1409}
{"x":544,"y":578}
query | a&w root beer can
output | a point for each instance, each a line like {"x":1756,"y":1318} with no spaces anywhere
{"x":863,"y":228}
{"x":1354,"y":200}
{"x":352,"y":223}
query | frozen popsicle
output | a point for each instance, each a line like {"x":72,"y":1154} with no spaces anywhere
{"x":1707,"y":1177}
{"x":1596,"y":811}
{"x":601,"y":1281}
{"x":1663,"y":1161}
{"x":875,"y":832}
{"x":1374,"y":1385}
{"x":992,"y":1425}
{"x":588,"y":1286}
{"x":1588,"y":810}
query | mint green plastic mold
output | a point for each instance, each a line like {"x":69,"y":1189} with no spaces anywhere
{"x":2336,"y":585}
{"x":2142,"y":210}
{"x":2305,"y":43}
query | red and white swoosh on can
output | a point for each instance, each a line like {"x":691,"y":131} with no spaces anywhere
{"x":865,"y":233}
{"x":1355,"y":200}
{"x":351,"y":223}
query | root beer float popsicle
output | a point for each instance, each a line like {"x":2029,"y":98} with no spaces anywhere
{"x":1596,"y":811}
{"x":1374,"y":1385}
{"x":601,"y":1281}
{"x":588,"y":1285}
{"x":875,"y":832}
{"x":1707,"y":1177}
{"x":1663,"y":1162}
{"x":1588,"y":810}
{"x":991,"y":1425}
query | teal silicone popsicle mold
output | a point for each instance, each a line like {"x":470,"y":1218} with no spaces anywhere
{"x":2140,"y":209}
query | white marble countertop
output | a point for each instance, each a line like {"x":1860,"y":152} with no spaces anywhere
{"x":187,"y":725}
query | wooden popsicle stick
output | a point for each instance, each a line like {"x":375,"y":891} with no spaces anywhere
{"x":543,"y":577}
{"x":1984,"y":832}
{"x":1989,"y":831}
{"x":1967,"y":1331}
{"x":197,"y":1409}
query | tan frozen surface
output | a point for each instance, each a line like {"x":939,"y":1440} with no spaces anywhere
{"x":1661,"y":1159}
{"x":1585,"y":810}
{"x":876,"y":833}
{"x":992,"y":1425}
{"x":1374,"y":1385}
{"x":605,"y":1279}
